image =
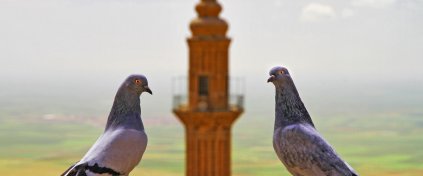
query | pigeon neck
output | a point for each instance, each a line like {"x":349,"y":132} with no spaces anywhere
{"x":125,"y":111}
{"x":289,"y":107}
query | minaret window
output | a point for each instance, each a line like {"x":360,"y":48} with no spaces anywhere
{"x":203,"y":86}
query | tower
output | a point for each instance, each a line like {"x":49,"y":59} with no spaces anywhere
{"x":207,"y":113}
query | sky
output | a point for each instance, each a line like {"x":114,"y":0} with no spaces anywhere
{"x":346,"y":56}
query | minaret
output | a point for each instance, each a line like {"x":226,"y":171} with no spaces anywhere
{"x":207,"y":115}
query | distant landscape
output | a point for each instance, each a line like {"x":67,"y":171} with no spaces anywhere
{"x":375,"y":144}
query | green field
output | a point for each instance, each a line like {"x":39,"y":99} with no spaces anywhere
{"x":390,"y":144}
{"x":384,"y":144}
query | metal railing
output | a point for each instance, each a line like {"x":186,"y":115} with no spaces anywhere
{"x":180,"y":102}
{"x":180,"y":96}
{"x":235,"y":102}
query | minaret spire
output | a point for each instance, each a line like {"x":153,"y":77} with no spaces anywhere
{"x":208,"y":23}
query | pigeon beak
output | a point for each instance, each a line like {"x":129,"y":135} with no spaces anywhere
{"x":271,"y":79}
{"x":147,"y":89}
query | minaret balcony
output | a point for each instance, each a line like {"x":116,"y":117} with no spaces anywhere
{"x":181,"y":98}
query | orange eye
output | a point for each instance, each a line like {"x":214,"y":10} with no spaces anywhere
{"x":137,"y":82}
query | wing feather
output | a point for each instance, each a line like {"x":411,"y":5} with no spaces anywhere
{"x":119,"y":151}
{"x":305,"y":152}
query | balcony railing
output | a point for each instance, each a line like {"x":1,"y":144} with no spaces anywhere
{"x":180,"y":102}
{"x":235,"y":102}
{"x":180,"y":94}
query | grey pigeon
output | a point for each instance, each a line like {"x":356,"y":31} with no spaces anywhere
{"x":296,"y":142}
{"x":120,"y":148}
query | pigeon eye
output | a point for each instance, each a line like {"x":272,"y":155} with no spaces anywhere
{"x":137,"y":82}
{"x":282,"y":72}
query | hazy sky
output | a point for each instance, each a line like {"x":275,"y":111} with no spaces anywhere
{"x":343,"y":53}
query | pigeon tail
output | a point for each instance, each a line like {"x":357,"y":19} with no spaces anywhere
{"x":69,"y":171}
{"x":83,"y":168}
{"x":289,"y":107}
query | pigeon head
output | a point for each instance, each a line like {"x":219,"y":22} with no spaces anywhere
{"x":279,"y":75}
{"x":137,"y":84}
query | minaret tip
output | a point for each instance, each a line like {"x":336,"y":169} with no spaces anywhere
{"x":208,"y":23}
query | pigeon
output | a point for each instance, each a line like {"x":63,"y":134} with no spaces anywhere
{"x":296,"y":141}
{"x":121,"y":146}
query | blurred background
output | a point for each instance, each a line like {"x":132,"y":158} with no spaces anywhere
{"x":356,"y":63}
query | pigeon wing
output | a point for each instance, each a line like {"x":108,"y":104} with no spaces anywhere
{"x":71,"y":171}
{"x":115,"y":152}
{"x":76,"y":170}
{"x":304,"y":152}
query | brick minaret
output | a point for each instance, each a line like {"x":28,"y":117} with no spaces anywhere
{"x":208,"y":116}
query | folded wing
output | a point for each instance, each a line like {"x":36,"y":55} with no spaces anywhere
{"x":305,"y":152}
